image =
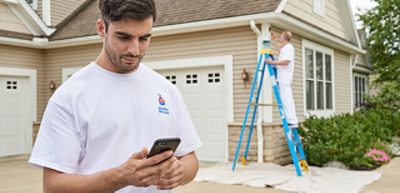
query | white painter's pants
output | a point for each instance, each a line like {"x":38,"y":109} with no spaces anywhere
{"x":288,"y":103}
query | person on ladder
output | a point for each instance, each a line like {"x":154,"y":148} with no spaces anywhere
{"x":285,"y":68}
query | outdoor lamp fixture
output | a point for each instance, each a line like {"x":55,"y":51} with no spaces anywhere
{"x":52,"y":86}
{"x":245,"y":76}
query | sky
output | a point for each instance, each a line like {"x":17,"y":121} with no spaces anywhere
{"x":360,"y":4}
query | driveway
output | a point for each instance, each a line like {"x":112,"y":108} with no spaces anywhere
{"x":17,"y":176}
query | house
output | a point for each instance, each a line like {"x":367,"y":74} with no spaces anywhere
{"x":202,"y":47}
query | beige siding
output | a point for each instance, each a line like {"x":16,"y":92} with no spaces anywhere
{"x":10,"y":22}
{"x":297,"y":84}
{"x":16,"y":57}
{"x":57,"y":59}
{"x":240,"y":42}
{"x":342,"y":82}
{"x":39,"y":9}
{"x":60,"y":9}
{"x":331,"y":22}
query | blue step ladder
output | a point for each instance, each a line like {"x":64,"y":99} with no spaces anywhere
{"x":292,"y":136}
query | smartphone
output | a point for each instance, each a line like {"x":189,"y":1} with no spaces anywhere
{"x":164,"y":144}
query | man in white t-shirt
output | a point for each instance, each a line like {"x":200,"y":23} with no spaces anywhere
{"x":285,"y":66}
{"x":98,"y":126}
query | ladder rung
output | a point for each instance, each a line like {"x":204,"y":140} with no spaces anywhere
{"x":267,"y":105}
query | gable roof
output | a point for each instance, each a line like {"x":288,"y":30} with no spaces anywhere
{"x":82,"y":22}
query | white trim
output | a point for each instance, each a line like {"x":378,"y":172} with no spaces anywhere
{"x":46,"y":12}
{"x":226,"y":61}
{"x":69,"y":72}
{"x":281,"y":6}
{"x":351,"y":88}
{"x":31,"y":73}
{"x":324,"y":50}
{"x":362,"y":69}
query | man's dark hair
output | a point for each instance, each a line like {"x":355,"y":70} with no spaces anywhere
{"x":115,"y":10}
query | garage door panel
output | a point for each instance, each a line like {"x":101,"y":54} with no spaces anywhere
{"x":14,"y":114}
{"x":11,"y":145}
{"x":203,"y":92}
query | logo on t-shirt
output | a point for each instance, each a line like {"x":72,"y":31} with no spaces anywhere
{"x":162,"y":108}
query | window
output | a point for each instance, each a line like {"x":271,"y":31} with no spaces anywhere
{"x":11,"y":85}
{"x":318,"y":65}
{"x":319,"y":7}
{"x":171,"y":78}
{"x":360,"y":90}
{"x":214,"y":78}
{"x":191,"y":79}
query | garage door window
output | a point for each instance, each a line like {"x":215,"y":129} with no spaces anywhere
{"x":191,"y":79}
{"x":11,"y":85}
{"x":214,"y":77}
{"x":171,"y":78}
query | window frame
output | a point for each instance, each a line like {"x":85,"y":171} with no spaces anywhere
{"x":319,"y":7}
{"x":360,"y":93}
{"x":325,"y":51}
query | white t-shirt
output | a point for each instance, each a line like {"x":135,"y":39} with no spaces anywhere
{"x":97,"y":119}
{"x":285,"y":72}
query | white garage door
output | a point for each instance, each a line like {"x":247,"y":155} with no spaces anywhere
{"x":203,"y":91}
{"x":14,"y":115}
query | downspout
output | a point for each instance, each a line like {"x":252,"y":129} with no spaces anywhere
{"x":260,"y":141}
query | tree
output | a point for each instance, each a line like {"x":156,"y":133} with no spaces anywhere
{"x":382,"y":25}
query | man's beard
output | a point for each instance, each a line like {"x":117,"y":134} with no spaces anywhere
{"x":117,"y":62}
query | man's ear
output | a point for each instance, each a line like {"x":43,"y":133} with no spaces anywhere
{"x":101,"y":28}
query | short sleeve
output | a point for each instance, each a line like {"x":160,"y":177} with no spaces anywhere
{"x":190,"y":140}
{"x":58,"y":145}
{"x":287,"y":54}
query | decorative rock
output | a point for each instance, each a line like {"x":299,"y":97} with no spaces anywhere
{"x":336,"y":164}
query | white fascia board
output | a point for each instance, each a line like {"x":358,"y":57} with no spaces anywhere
{"x":362,"y":69}
{"x":19,"y":42}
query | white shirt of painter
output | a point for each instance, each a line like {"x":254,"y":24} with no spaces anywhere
{"x":285,"y":72}
{"x":97,"y":119}
{"x":285,"y":78}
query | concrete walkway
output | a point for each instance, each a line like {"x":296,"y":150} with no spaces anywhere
{"x":16,"y":176}
{"x":389,"y":181}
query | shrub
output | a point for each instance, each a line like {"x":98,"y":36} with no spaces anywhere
{"x":346,"y":138}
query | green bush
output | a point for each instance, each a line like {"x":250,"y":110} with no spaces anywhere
{"x":347,"y":138}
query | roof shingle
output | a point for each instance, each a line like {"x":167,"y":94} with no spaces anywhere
{"x":169,"y":12}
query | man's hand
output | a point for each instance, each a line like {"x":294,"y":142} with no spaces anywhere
{"x":173,"y":177}
{"x":141,"y":172}
{"x":269,"y":61}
